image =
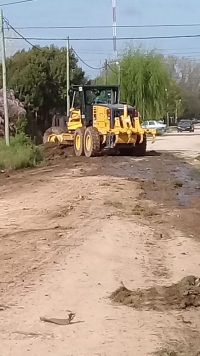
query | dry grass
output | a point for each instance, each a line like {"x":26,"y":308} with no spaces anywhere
{"x":114,"y":204}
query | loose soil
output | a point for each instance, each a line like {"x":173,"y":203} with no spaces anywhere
{"x":54,"y":152}
{"x":71,"y":231}
{"x":181,"y":351}
{"x":182,"y":295}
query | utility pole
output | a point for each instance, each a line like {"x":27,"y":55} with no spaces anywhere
{"x":5,"y":98}
{"x":106,"y":72}
{"x":176,"y":112}
{"x":118,"y":73}
{"x":68,"y":79}
{"x":167,"y":107}
{"x":143,"y":103}
{"x":100,"y":70}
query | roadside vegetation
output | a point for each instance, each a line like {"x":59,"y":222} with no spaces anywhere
{"x":22,"y":152}
{"x":156,"y":84}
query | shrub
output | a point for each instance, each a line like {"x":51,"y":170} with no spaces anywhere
{"x":21,"y":125}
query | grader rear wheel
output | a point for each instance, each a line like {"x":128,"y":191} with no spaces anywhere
{"x":128,"y":151}
{"x":79,"y":141}
{"x":141,"y":148}
{"x":54,"y":130}
{"x":91,"y":142}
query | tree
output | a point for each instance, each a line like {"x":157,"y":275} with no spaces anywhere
{"x":38,"y":77}
{"x":186,"y":73}
{"x":145,"y":80}
{"x":174,"y":102}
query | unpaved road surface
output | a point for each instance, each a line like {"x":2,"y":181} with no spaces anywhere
{"x":184,"y":144}
{"x":70,"y":234}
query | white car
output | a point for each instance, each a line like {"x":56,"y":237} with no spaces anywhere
{"x":160,"y":128}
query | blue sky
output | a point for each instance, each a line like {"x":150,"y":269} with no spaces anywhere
{"x":91,"y":12}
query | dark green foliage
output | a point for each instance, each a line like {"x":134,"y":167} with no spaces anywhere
{"x":38,"y":77}
{"x":21,"y":125}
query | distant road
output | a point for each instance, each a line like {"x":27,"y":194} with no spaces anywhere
{"x":186,"y":143}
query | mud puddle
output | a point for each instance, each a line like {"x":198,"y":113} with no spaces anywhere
{"x":165,"y":178}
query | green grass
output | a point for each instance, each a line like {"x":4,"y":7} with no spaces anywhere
{"x":21,"y":153}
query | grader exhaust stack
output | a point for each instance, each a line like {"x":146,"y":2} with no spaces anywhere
{"x":125,"y":110}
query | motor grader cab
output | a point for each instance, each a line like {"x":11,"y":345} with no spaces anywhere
{"x":98,"y":121}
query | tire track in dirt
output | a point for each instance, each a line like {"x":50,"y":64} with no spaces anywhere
{"x":93,"y":272}
{"x":123,"y":232}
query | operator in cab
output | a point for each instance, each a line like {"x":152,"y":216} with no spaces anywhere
{"x":101,"y":99}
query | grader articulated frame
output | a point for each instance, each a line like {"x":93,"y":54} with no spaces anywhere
{"x":98,"y":121}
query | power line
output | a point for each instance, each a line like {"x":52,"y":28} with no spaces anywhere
{"x":16,"y":2}
{"x":105,"y":26}
{"x":182,"y":50}
{"x":31,"y":44}
{"x":111,"y":69}
{"x":157,"y":50}
{"x":19,"y":34}
{"x":105,"y":38}
{"x":85,"y":62}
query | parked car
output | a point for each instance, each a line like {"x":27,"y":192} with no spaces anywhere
{"x":194,"y":121}
{"x":160,"y":128}
{"x":185,"y":125}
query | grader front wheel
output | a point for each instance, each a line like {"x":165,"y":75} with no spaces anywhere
{"x":91,"y":142}
{"x":79,"y":142}
{"x":51,"y":133}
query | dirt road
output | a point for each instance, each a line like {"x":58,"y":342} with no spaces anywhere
{"x":72,"y":232}
{"x":184,"y":144}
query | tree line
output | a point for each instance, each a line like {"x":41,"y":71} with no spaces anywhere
{"x":157,"y":84}
{"x":38,"y":78}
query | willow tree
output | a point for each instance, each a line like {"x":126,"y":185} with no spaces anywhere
{"x":145,"y":81}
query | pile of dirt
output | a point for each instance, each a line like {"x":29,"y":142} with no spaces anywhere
{"x":181,"y":352}
{"x":189,"y":346}
{"x":55,"y":151}
{"x":166,"y":352}
{"x":181,"y":295}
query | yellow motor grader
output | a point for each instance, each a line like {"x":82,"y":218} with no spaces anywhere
{"x":97,"y":121}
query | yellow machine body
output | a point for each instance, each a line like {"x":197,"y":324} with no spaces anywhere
{"x":74,"y":120}
{"x":124,"y":131}
{"x":105,"y":131}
